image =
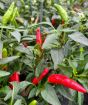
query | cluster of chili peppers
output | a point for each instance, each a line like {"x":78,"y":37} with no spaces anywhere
{"x":59,"y":79}
{"x":56,"y":79}
{"x":15,"y":76}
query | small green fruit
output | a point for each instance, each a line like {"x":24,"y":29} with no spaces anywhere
{"x":34,"y":102}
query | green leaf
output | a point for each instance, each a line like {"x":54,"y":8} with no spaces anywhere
{"x":22,"y":49}
{"x":28,"y":37}
{"x":28,"y":77}
{"x":64,"y":92}
{"x":15,"y":90}
{"x":50,"y":96}
{"x":23,"y":100}
{"x":76,"y":19}
{"x":28,"y":62}
{"x":86,"y":66}
{"x":57,"y":56}
{"x":2,"y":6}
{"x":2,"y":102}
{"x":86,"y":24}
{"x":24,"y":84}
{"x":32,"y":93}
{"x":40,"y":67}
{"x":51,"y":41}
{"x":80,"y":98}
{"x":74,"y":97}
{"x":79,"y":37}
{"x":8,"y":59}
{"x":4,"y":73}
{"x":67,"y":70}
{"x":17,"y":35}
{"x":73,"y":64}
{"x":84,"y":82}
{"x":18,"y":102}
{"x":5,"y":90}
{"x":8,"y":96}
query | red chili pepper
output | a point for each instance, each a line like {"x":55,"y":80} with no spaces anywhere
{"x":53,"y":22}
{"x":65,"y":81}
{"x":43,"y":74}
{"x":35,"y":81}
{"x":13,"y":78}
{"x":56,"y":78}
{"x":38,"y":36}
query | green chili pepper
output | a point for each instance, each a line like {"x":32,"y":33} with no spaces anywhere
{"x":4,"y":53}
{"x":62,"y":12}
{"x":34,"y":102}
{"x":7,"y":15}
{"x":14,"y":14}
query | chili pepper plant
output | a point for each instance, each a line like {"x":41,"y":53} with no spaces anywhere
{"x":43,"y":52}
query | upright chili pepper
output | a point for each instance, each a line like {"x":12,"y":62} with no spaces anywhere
{"x":14,"y":78}
{"x":65,"y":81}
{"x":38,"y":36}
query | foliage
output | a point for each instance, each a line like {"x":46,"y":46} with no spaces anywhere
{"x":64,"y":50}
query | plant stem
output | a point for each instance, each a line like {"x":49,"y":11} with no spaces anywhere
{"x":11,"y":103}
